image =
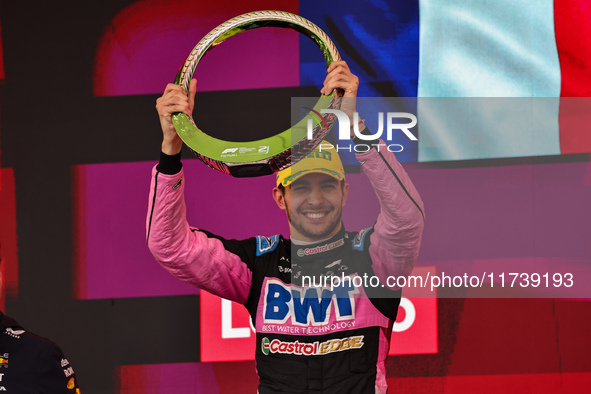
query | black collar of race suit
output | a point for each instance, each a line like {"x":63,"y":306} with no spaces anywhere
{"x":6,"y":321}
{"x":319,"y":250}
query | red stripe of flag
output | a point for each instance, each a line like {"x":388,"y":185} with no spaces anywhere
{"x":573,"y":39}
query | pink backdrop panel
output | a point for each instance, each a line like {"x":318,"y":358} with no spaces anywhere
{"x":111,"y":258}
{"x":142,"y":48}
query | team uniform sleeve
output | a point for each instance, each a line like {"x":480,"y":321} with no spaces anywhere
{"x":396,"y":239}
{"x":56,"y":375}
{"x":187,"y":253}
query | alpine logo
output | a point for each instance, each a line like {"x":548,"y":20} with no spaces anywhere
{"x":320,"y":249}
{"x":266,"y":244}
{"x":311,"y":349}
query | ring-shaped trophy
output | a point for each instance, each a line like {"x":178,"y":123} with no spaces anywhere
{"x":268,"y":155}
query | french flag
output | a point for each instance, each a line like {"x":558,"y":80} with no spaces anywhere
{"x":517,"y":66}
{"x":494,"y":79}
{"x":490,"y":79}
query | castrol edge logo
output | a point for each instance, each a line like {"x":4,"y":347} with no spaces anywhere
{"x":311,"y":349}
{"x":319,"y":249}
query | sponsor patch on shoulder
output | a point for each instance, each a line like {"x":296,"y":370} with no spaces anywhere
{"x":266,"y":244}
{"x":359,"y":241}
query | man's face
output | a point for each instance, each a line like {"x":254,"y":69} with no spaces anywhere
{"x":314,"y":204}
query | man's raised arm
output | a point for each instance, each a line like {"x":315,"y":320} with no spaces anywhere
{"x":187,"y":253}
{"x":396,"y":239}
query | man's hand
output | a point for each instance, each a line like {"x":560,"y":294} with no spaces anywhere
{"x":340,"y":77}
{"x":173,"y":100}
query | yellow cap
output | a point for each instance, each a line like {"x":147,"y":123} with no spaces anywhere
{"x":323,"y":159}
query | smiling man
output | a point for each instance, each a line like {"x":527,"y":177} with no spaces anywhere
{"x":313,"y":193}
{"x":331,"y":339}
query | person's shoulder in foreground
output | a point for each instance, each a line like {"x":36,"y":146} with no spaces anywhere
{"x":32,"y":364}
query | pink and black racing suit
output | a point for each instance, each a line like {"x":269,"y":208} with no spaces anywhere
{"x":308,"y":339}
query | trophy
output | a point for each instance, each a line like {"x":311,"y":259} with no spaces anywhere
{"x":264,"y":156}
